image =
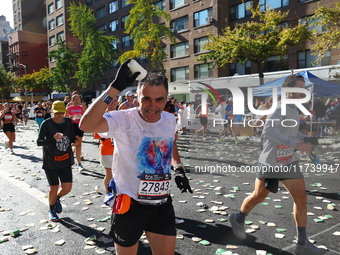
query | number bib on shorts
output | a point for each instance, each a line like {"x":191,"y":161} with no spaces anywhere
{"x":284,"y":154}
{"x":154,"y":186}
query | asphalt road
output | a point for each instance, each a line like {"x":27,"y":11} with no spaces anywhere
{"x":23,"y":201}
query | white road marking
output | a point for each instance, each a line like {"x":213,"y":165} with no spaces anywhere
{"x":37,"y":194}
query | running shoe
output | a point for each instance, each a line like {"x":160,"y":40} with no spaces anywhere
{"x":12,"y":152}
{"x":219,"y":140}
{"x":308,"y":248}
{"x":238,"y":141}
{"x":81,"y":168}
{"x":58,"y":207}
{"x":53,"y":215}
{"x":6,"y":145}
{"x":238,"y":228}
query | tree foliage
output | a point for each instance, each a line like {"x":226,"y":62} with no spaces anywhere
{"x":65,"y":66}
{"x":328,"y":18}
{"x":146,"y":33}
{"x":98,"y":50}
{"x":265,"y":35}
{"x":6,"y":81}
{"x":41,"y":80}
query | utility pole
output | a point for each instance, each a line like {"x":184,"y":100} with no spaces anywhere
{"x":24,"y":66}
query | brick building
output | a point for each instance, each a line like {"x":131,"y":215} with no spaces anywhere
{"x":27,"y":52}
{"x":29,"y":15}
{"x":192,"y":21}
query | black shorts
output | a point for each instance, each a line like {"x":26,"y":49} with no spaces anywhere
{"x":204,"y":120}
{"x":77,"y":130}
{"x":127,"y":228}
{"x":9,"y":127}
{"x":272,"y":184}
{"x":53,"y":175}
{"x":226,"y":124}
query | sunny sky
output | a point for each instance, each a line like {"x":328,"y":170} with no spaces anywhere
{"x":6,"y":10}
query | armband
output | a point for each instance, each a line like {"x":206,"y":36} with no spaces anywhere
{"x":106,"y":98}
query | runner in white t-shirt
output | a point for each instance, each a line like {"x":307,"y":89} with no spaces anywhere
{"x":145,"y":150}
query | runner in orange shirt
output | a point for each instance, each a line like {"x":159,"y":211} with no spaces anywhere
{"x":106,"y":148}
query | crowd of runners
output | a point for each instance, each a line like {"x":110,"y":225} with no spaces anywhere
{"x":138,"y":152}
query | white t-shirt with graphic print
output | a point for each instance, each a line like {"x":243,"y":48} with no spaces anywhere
{"x":142,"y":155}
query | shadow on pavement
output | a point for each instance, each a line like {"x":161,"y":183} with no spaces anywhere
{"x":223,"y":235}
{"x":24,"y":156}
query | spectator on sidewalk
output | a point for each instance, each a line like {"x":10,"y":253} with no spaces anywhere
{"x":56,"y":135}
{"x":182,"y":117}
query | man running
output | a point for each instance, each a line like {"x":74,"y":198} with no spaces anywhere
{"x":279,"y":143}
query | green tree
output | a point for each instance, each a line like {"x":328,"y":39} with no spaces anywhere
{"x":65,"y":67}
{"x":147,"y":34}
{"x":328,"y":18}
{"x":41,"y":79}
{"x":26,"y":82}
{"x":6,"y":81}
{"x":265,"y":35}
{"x":98,"y":50}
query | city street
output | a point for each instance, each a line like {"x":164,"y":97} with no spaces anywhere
{"x":221,"y":175}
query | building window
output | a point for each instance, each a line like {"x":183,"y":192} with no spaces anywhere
{"x":161,"y":4}
{"x":19,"y":16}
{"x":198,"y":44}
{"x":50,"y":8}
{"x":239,"y":69}
{"x":306,"y":59}
{"x":143,"y":60}
{"x":59,"y":4}
{"x":124,"y":3}
{"x":177,"y":3}
{"x":123,"y":21}
{"x":240,"y":11}
{"x":51,"y":24}
{"x":165,"y":55}
{"x":126,"y":41}
{"x":114,"y":64}
{"x":311,"y":24}
{"x":60,"y":20}
{"x":180,"y":74}
{"x":179,"y":24}
{"x":202,"y":17}
{"x":272,"y":4}
{"x":276,"y":63}
{"x":61,"y":36}
{"x":100,"y":13}
{"x":51,"y":40}
{"x":113,"y":25}
{"x":203,"y":71}
{"x":113,"y":6}
{"x":14,"y":7}
{"x":179,"y":50}
{"x":102,"y":28}
{"x":115,"y":45}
